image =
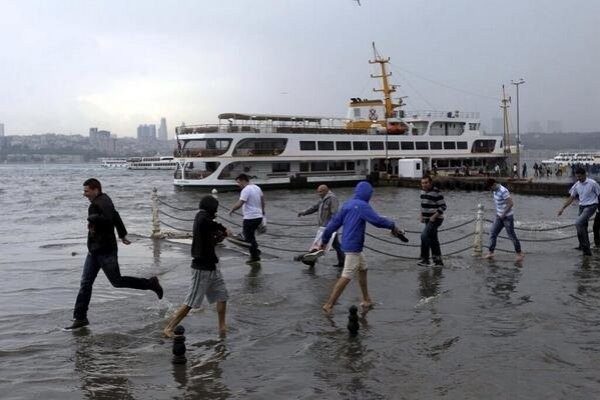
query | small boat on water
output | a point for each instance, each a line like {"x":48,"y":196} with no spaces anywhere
{"x":377,"y":137}
{"x":166,"y":163}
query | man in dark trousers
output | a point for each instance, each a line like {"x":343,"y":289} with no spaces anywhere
{"x":327,"y":207}
{"x":102,"y":252}
{"x":432,"y":215}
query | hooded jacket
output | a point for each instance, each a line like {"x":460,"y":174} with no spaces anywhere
{"x":353,"y":216}
{"x":206,"y":234}
{"x":102,"y":221}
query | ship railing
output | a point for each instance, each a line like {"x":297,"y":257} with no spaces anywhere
{"x":441,"y":114}
{"x":181,"y":217}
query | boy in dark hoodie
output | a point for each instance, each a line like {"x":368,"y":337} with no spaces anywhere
{"x":206,"y":276}
{"x":353,"y":217}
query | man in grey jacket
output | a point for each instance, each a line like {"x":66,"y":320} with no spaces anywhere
{"x":327,"y":207}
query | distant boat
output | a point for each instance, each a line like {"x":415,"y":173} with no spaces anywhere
{"x":113,"y":162}
{"x":167,"y":163}
{"x":567,"y":159}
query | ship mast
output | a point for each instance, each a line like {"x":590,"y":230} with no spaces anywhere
{"x":505,"y":105}
{"x":387,"y":88}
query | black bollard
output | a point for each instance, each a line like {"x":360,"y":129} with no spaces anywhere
{"x":179,"y":345}
{"x":353,"y":321}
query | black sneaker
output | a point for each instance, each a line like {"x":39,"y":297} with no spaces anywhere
{"x":438,"y":261}
{"x":253,"y":261}
{"x":155,"y":287}
{"x":77,"y":323}
{"x":423,"y":262}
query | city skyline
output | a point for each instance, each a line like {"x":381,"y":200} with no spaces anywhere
{"x":85,"y":64}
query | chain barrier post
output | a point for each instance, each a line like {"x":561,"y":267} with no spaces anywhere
{"x":478,"y":239}
{"x":156,"y":234}
{"x":215,"y":193}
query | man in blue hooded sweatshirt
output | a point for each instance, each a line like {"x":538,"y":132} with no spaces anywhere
{"x":353,"y":217}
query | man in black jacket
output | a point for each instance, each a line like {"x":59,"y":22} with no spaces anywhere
{"x":102,"y":247}
{"x":206,"y":276}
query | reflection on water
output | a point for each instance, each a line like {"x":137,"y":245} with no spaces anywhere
{"x":429,"y":282}
{"x":502,"y":280}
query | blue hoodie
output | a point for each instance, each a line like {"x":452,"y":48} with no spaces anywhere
{"x":353,"y":216}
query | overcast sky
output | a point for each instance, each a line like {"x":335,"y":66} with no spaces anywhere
{"x":70,"y":65}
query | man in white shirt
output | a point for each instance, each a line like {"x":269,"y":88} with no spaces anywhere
{"x":252,"y":203}
{"x":587,"y":190}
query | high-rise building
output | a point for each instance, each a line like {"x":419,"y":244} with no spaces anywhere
{"x":103,"y":140}
{"x":1,"y":130}
{"x":162,"y":130}
{"x":146,"y":133}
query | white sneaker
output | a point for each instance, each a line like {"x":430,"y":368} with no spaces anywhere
{"x":312,"y":256}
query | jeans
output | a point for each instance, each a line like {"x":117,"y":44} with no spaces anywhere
{"x":249,"y":228}
{"x":110,"y":265}
{"x":507,"y":222}
{"x":430,"y":241}
{"x":581,"y":224}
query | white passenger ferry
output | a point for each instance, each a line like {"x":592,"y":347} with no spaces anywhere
{"x":569,"y":158}
{"x":152,"y":163}
{"x":113,"y":162}
{"x":285,"y":150}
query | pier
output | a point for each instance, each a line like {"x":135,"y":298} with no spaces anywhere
{"x":477,"y":183}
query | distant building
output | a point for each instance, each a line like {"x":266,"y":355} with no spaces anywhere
{"x":103,"y":140}
{"x":146,"y":133}
{"x":535,"y":127}
{"x":555,"y":126}
{"x":1,"y":130}
{"x":162,"y":130}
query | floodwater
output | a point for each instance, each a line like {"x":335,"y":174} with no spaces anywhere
{"x":471,"y":330}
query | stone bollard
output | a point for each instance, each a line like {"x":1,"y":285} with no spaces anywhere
{"x":179,"y":345}
{"x":155,"y":219}
{"x":478,"y":238}
{"x":353,"y":321}
{"x":214,"y":193}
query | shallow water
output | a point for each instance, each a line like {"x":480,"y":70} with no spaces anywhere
{"x":474,"y":329}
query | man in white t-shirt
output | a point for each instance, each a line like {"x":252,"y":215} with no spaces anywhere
{"x":252,"y":203}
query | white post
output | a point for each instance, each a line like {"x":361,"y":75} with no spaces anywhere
{"x":215,"y":193}
{"x":155,"y":220}
{"x":478,"y":240}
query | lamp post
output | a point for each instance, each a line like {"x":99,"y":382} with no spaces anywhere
{"x":517,"y":83}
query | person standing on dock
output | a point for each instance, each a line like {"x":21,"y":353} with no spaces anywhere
{"x":102,"y":246}
{"x":504,"y":219}
{"x":206,"y":276}
{"x":353,"y":217}
{"x":587,"y":190}
{"x":327,"y":207}
{"x":252,"y":203}
{"x":432,"y":215}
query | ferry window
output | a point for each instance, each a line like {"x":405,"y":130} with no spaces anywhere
{"x":422,"y":145}
{"x":360,"y":146}
{"x":205,"y":147}
{"x":280,"y":167}
{"x":356,"y":112}
{"x":442,"y":163}
{"x":260,"y":147}
{"x":350,"y":166}
{"x":483,"y":146}
{"x":455,"y":163}
{"x":304,"y":167}
{"x":343,"y":145}
{"x":336,"y":165}
{"x":393,"y":146}
{"x":461,"y":145}
{"x":325,"y":145}
{"x":449,"y":145}
{"x":307,"y":145}
{"x":435,"y":145}
{"x":376,"y":145}
{"x":317,"y":166}
{"x":473,"y":127}
{"x":407,"y":145}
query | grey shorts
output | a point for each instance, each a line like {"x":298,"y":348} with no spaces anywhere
{"x":206,"y":283}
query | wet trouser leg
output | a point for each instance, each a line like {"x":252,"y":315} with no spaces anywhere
{"x":494,"y":231}
{"x":430,"y":241}
{"x":509,"y":225}
{"x":249,"y":227}
{"x":338,"y":250}
{"x":596,"y":229}
{"x":581,"y":224}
